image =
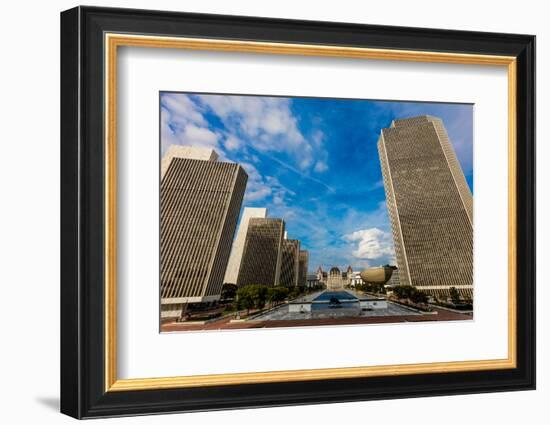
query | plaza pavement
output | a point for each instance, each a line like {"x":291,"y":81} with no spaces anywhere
{"x":225,"y":324}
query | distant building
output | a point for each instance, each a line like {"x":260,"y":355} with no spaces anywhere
{"x":355,"y":279}
{"x":290,"y":262}
{"x":334,"y":279}
{"x":312,"y":280}
{"x":303,"y":267}
{"x":322,"y":275}
{"x":394,"y":279}
{"x":430,"y":206}
{"x":200,"y":200}
{"x":235,"y":259}
{"x":262,"y":253}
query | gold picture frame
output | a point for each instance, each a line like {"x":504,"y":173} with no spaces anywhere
{"x":114,"y":41}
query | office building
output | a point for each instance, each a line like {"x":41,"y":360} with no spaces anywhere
{"x":303,"y":267}
{"x":430,"y":206}
{"x":262,"y":253}
{"x":290,"y":263}
{"x":200,"y":200}
{"x":335,"y":279}
{"x":313,"y":281}
{"x":235,"y":259}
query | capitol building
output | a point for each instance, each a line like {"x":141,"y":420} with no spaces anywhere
{"x":335,"y":279}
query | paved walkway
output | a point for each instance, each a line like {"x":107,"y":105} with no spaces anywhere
{"x":442,"y":315}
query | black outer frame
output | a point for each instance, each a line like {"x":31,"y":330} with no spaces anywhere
{"x":82,"y":212}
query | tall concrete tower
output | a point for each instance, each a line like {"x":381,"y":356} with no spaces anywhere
{"x":290,"y":263}
{"x":303,"y":266}
{"x":235,"y":259}
{"x":262,"y":253}
{"x":200,"y":200}
{"x":430,"y":206}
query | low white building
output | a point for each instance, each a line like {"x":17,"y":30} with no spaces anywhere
{"x":355,"y":279}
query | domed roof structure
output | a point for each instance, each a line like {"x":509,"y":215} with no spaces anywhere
{"x":376,"y":274}
{"x":334,"y":271}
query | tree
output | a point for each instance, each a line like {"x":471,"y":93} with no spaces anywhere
{"x":272,"y":295}
{"x":277,"y":294}
{"x":418,"y":297}
{"x":229,"y":290}
{"x":282,"y":294}
{"x":245,"y":299}
{"x":379,"y":288}
{"x":403,"y":291}
{"x":408,"y":292}
{"x":295,"y":292}
{"x":251,"y":296}
{"x":455,"y":296}
{"x":259,"y":294}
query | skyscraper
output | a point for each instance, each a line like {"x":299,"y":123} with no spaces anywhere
{"x":430,"y":206}
{"x":200,"y":200}
{"x":235,"y":259}
{"x":261,"y":259}
{"x":302,"y":267}
{"x":189,"y":152}
{"x":290,"y":262}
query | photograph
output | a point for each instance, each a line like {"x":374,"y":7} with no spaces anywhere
{"x":269,"y":211}
{"x":285,"y":211}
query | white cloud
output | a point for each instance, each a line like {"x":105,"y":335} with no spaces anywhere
{"x":183,"y":123}
{"x":302,"y":174}
{"x":256,"y":187}
{"x":199,"y":136}
{"x":182,"y":109}
{"x":277,"y":121}
{"x":257,"y":191}
{"x":167,"y":134}
{"x":364,"y":264}
{"x":321,"y":166}
{"x":318,"y":138}
{"x":278,"y":200}
{"x":252,"y":171}
{"x":232,"y":143}
{"x":268,"y":123}
{"x":263,"y":123}
{"x":371,"y":244}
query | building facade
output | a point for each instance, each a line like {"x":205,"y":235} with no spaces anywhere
{"x":188,"y":152}
{"x":355,"y":279}
{"x":200,"y":200}
{"x":232,"y":273}
{"x":394,"y":279}
{"x":290,"y":263}
{"x":262,"y":253}
{"x":312,"y":281}
{"x":303,"y":267}
{"x":430,"y":206}
{"x":335,"y":279}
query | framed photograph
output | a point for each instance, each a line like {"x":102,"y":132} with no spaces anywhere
{"x":261,"y":212}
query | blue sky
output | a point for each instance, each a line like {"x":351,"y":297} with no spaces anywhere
{"x":311,"y":161}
